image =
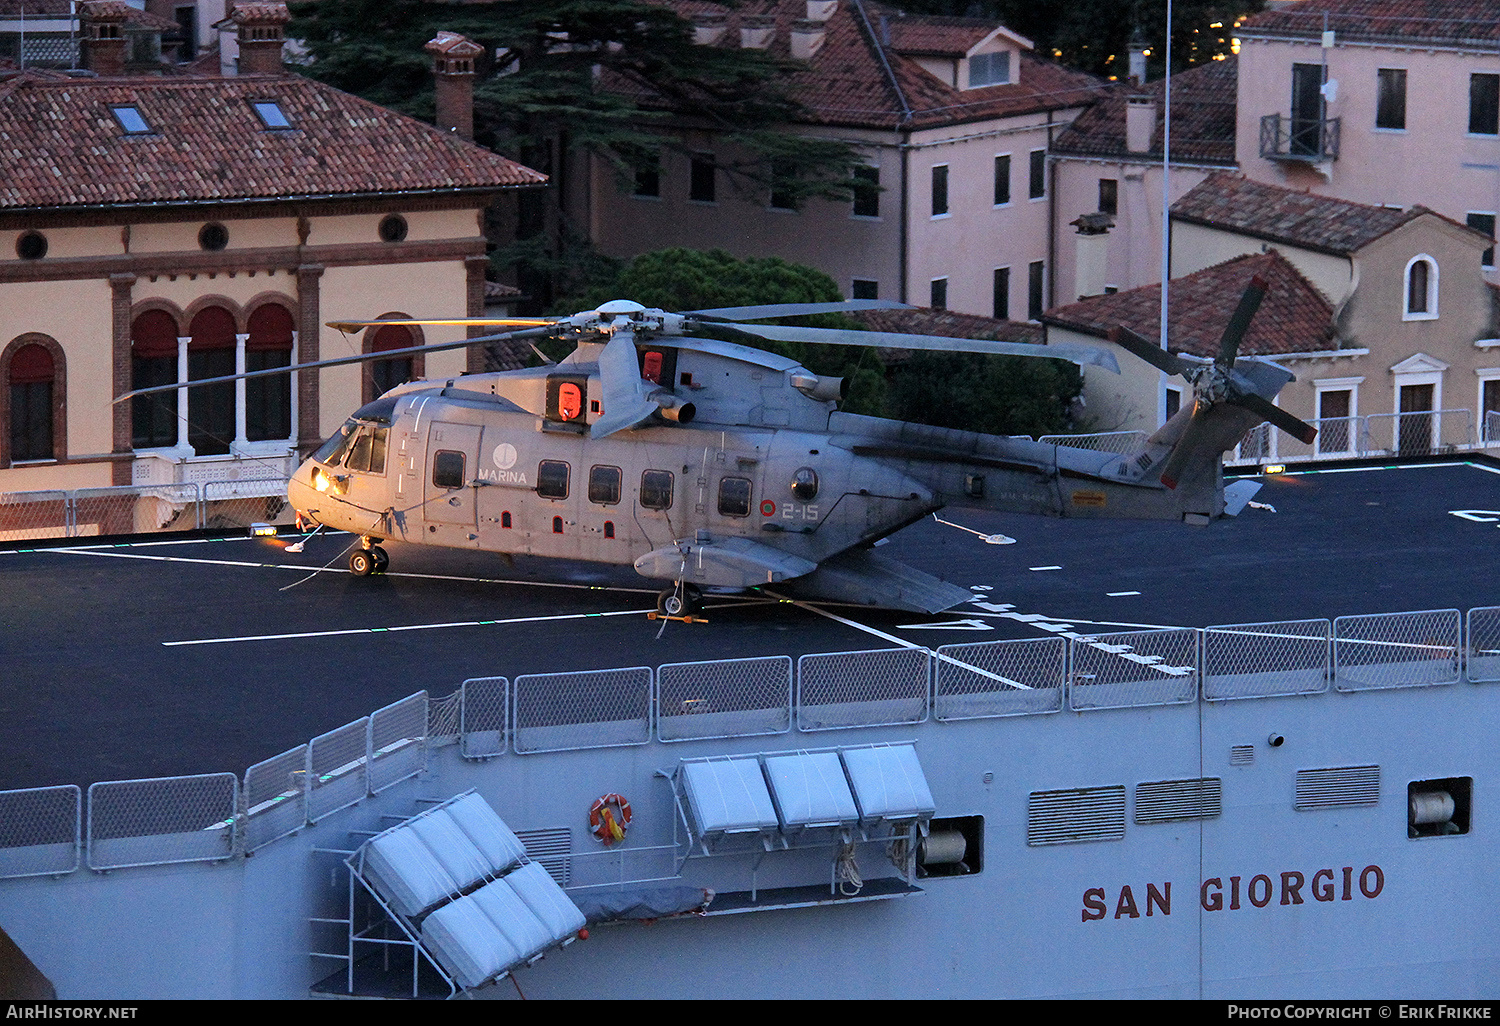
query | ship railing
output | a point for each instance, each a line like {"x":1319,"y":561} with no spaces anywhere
{"x":214,"y":817}
{"x":1414,"y":433}
{"x":142,"y":509}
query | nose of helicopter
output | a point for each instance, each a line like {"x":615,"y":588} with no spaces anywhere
{"x":299,"y":490}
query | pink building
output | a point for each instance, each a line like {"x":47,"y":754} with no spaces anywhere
{"x":1384,"y":102}
{"x":954,"y":117}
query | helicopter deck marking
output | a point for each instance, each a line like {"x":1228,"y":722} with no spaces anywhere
{"x":403,"y":627}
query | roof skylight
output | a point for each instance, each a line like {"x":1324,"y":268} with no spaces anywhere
{"x":271,"y":113}
{"x":130,"y":119}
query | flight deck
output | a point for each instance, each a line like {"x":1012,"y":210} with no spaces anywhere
{"x":157,"y":656}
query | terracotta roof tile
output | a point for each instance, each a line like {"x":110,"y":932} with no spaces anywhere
{"x":846,"y":82}
{"x":62,"y":146}
{"x":1296,"y":218}
{"x":1294,"y":317}
{"x":1203,"y":118}
{"x":927,"y":321}
{"x":1402,"y":22}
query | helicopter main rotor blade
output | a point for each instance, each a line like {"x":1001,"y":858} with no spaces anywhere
{"x":1082,"y":355}
{"x":349,"y":327}
{"x":1239,"y":322}
{"x":757,"y":313}
{"x":1186,"y":448}
{"x":388,"y":354}
{"x":1269,"y":411}
{"x":1143,"y":347}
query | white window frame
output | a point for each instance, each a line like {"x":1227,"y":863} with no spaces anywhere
{"x":1431,"y":313}
{"x":1406,"y":378}
{"x":1350,"y":385}
{"x":1484,"y":375}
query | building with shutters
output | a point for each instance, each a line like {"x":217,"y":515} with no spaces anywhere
{"x":163,"y":229}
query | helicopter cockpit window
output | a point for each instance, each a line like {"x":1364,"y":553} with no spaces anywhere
{"x":448,"y":469}
{"x":734,"y":497}
{"x":604,"y":485}
{"x":331,"y":452}
{"x":368,"y":451}
{"x":552,"y":479}
{"x":656,"y":489}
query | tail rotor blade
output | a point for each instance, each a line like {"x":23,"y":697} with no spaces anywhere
{"x":1140,"y":345}
{"x":1239,"y":322}
{"x":1268,"y":410}
{"x":1186,"y":448}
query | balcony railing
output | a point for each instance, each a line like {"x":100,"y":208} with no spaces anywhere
{"x":1309,"y":140}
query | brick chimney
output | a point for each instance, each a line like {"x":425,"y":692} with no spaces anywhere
{"x":453,"y":67}
{"x":262,"y":33}
{"x":104,"y":35}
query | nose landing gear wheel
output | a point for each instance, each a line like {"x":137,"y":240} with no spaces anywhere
{"x":679,"y":602}
{"x":361,"y":562}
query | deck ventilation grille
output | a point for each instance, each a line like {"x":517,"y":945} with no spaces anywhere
{"x":1171,"y":801}
{"x":1070,"y":817}
{"x":553,"y":848}
{"x":1338,"y":787}
{"x":1242,"y":755}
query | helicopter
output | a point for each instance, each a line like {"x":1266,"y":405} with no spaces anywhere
{"x":668,"y":442}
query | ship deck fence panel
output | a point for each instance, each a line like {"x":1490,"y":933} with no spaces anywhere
{"x":275,"y":797}
{"x":881,"y":687}
{"x":1117,"y":671}
{"x":398,"y":741}
{"x":40,"y":831}
{"x":444,"y":717}
{"x":1396,"y":650}
{"x":721,"y":699}
{"x":1000,"y":678}
{"x":1258,"y":660}
{"x":483,"y":712}
{"x":228,"y":505}
{"x":337,"y":769}
{"x":559,"y":712}
{"x":1483,"y":635}
{"x":43,"y":514}
{"x":136,"y":509}
{"x":162,"y":820}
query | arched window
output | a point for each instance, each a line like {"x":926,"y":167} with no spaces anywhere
{"x":153,"y":361}
{"x":211,"y":407}
{"x":268,"y":400}
{"x":384,"y":375}
{"x":1421,"y":289}
{"x":36,"y":402}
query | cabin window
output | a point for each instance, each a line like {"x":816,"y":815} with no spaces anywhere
{"x":604,"y":485}
{"x":332,"y":451}
{"x":368,"y":452}
{"x":448,"y":469}
{"x":552,"y":479}
{"x":656,"y":489}
{"x":734,"y":496}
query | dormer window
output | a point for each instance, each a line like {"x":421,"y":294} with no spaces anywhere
{"x":987,"y":69}
{"x":130,"y":119}
{"x":1421,"y":289}
{"x":271,"y":114}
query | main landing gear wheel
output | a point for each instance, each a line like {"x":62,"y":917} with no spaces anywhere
{"x":363,"y":562}
{"x":679,"y":601}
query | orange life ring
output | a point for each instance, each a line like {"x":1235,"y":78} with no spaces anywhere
{"x":606,"y":826}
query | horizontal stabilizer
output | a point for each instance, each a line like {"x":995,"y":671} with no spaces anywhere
{"x":1237,"y":494}
{"x":862,"y":577}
